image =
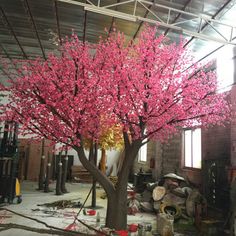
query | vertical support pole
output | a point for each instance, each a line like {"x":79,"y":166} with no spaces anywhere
{"x":41,"y":170}
{"x":53,"y":164}
{"x":64,"y":172}
{"x":59,"y":173}
{"x":135,"y":7}
{"x":48,"y":174}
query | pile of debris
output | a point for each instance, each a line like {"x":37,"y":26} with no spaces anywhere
{"x":175,"y":200}
{"x":169,"y":197}
{"x":62,"y":204}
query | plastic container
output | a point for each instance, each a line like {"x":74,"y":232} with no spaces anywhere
{"x":121,"y":232}
{"x":133,"y":228}
{"x":91,"y":212}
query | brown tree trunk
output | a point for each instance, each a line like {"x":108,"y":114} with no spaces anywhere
{"x":41,"y":170}
{"x":94,"y":161}
{"x":117,"y":196}
{"x":116,"y":215}
{"x":103,"y":161}
{"x":117,"y":202}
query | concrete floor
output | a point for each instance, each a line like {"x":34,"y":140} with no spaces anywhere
{"x":59,"y":218}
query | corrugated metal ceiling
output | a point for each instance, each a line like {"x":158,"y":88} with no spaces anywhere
{"x":30,"y":28}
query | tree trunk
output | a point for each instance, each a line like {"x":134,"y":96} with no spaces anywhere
{"x":117,"y":196}
{"x":103,"y":161}
{"x":59,"y":173}
{"x":64,"y":173}
{"x":41,"y":170}
{"x":117,"y":202}
{"x":116,"y":215}
{"x":94,"y":194}
{"x":48,"y":173}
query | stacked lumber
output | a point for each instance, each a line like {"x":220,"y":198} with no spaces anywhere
{"x":80,"y":174}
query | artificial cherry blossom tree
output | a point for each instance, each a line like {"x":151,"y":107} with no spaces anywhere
{"x":146,"y":87}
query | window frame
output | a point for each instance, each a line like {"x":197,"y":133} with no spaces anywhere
{"x":141,"y":150}
{"x":192,"y":167}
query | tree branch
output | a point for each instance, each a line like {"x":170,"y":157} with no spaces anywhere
{"x":38,"y":230}
{"x":76,"y":76}
{"x":96,"y":173}
{"x":39,"y":132}
{"x":52,"y":109}
{"x":69,"y":232}
{"x":126,"y":139}
{"x":143,"y":143}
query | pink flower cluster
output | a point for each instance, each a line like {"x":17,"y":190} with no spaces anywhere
{"x":144,"y":86}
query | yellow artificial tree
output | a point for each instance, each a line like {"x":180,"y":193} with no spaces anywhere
{"x":109,"y":138}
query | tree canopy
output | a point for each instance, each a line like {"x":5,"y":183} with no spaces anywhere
{"x":145,"y":87}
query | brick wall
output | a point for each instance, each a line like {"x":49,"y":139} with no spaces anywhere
{"x":171,"y":156}
{"x":216,"y":143}
{"x":168,"y":157}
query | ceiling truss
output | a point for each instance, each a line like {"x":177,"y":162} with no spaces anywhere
{"x":28,"y":10}
{"x":9,"y":27}
{"x":173,"y":19}
{"x":213,"y":17}
{"x":57,"y":20}
{"x":178,"y":16}
{"x":223,"y":32}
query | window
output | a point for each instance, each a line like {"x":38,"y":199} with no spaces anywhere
{"x":192,"y":148}
{"x":142,"y":154}
{"x":225,"y":68}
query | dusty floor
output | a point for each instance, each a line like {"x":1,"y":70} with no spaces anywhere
{"x":59,"y":218}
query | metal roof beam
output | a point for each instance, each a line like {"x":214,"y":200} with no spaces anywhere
{"x":5,"y":52}
{"x":35,"y":28}
{"x":113,"y":20}
{"x":141,"y":23}
{"x":201,"y":28}
{"x":177,"y":17}
{"x":85,"y":25}
{"x":58,"y":21}
{"x":12,"y":32}
{"x":201,"y":18}
{"x":118,"y":4}
{"x":8,"y":56}
{"x":3,"y":64}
